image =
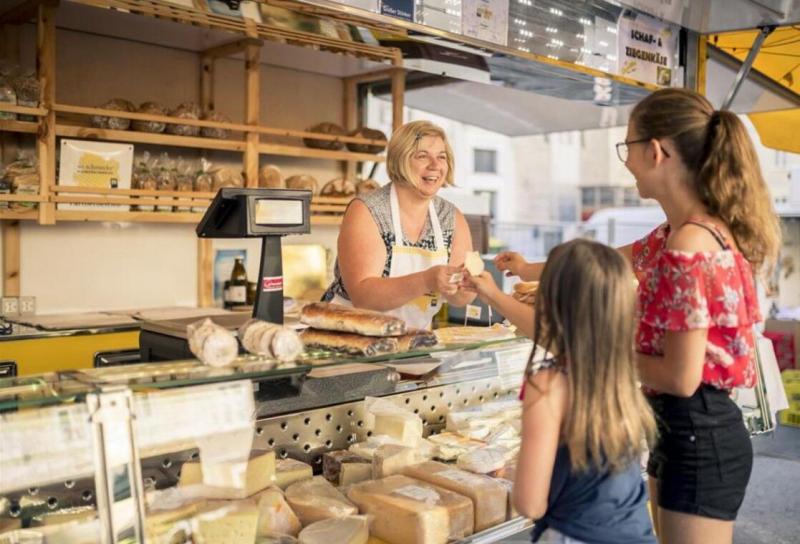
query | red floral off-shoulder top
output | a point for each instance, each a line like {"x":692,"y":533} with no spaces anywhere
{"x":714,"y":290}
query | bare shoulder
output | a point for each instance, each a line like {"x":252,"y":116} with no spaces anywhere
{"x":692,"y":238}
{"x":550,"y":383}
{"x":358,"y":217}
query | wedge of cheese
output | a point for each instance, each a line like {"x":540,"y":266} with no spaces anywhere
{"x":240,"y":480}
{"x":228,"y":523}
{"x":316,"y":499}
{"x":489,"y":497}
{"x":344,"y":467}
{"x":391,"y":459}
{"x":347,"y":530}
{"x":408,"y":511}
{"x":275,"y":514}
{"x":289,"y":471}
{"x":405,"y":427}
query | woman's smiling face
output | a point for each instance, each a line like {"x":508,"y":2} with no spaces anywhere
{"x":429,"y":165}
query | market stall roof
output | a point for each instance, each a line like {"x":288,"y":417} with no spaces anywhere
{"x":778,"y":64}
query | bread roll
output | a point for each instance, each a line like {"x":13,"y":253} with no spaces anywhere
{"x":187,"y":110}
{"x":219,"y":133}
{"x":114,"y":123}
{"x":150,"y":108}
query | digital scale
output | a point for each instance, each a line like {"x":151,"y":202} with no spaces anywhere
{"x":268,"y":214}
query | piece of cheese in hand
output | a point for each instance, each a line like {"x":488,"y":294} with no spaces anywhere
{"x":488,"y":496}
{"x":474,"y":263}
{"x":348,"y":530}
{"x":258,"y":474}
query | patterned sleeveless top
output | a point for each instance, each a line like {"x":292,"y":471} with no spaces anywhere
{"x":378,"y":204}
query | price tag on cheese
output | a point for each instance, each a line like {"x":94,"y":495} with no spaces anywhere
{"x":183,"y":417}
{"x":45,"y":446}
{"x":417,"y":493}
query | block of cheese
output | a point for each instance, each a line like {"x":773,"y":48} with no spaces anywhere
{"x":347,"y":530}
{"x":170,"y":525}
{"x":485,"y":460}
{"x":511,"y":512}
{"x":405,"y":427}
{"x":489,"y":497}
{"x":391,"y":459}
{"x":275,"y":514}
{"x":316,"y":499}
{"x":64,"y":515}
{"x":240,"y":480}
{"x":289,"y":471}
{"x":338,"y":466}
{"x":408,"y":511}
{"x":226,"y":523}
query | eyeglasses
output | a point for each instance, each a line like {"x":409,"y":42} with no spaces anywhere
{"x":622,"y":148}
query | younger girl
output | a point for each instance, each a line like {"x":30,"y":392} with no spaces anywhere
{"x":585,"y":423}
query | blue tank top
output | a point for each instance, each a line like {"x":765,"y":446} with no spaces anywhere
{"x":597,"y":507}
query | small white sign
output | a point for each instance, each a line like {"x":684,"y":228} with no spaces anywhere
{"x":95,"y":165}
{"x":648,"y":49}
{"x":473,"y":312}
{"x":485,"y":20}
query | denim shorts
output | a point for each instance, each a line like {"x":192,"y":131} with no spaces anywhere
{"x":703,"y":457}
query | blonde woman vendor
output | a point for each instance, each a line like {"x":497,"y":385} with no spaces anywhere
{"x":400,"y":245}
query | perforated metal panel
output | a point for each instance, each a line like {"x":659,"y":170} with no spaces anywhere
{"x":307,"y":435}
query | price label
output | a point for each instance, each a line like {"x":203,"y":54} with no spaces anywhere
{"x":474,"y":312}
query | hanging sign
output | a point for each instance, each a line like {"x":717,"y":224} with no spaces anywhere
{"x":647,"y":49}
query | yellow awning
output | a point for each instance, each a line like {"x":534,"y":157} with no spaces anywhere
{"x":779,"y":60}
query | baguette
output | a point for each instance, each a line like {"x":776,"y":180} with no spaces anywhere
{"x":352,"y":344}
{"x":335,"y":317}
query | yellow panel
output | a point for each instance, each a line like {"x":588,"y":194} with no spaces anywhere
{"x":778,"y":57}
{"x":38,"y":355}
{"x":778,"y":129}
{"x":305,"y":270}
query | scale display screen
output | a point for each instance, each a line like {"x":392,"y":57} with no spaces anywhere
{"x":279,"y":212}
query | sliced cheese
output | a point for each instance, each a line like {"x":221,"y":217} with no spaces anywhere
{"x":316,"y":499}
{"x":289,"y":471}
{"x":485,"y":460}
{"x":275,"y":514}
{"x":489,"y":497}
{"x":240,"y":480}
{"x":451,"y":445}
{"x":391,"y":459}
{"x":348,"y":530}
{"x":408,"y":511}
{"x":405,"y":427}
{"x":228,"y":523}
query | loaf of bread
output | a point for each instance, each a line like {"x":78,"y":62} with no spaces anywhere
{"x":351,"y":344}
{"x":219,"y":133}
{"x":341,"y":187}
{"x":270,"y":177}
{"x":187,"y":110}
{"x":337,"y":317}
{"x":150,"y":108}
{"x":367,"y":186}
{"x":371,"y":134}
{"x":114,"y":123}
{"x":325,"y":128}
{"x":303,"y":182}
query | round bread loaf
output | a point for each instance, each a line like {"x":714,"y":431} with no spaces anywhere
{"x":114,"y":123}
{"x":303,"y":181}
{"x":370,"y":133}
{"x":150,"y":108}
{"x":325,"y":128}
{"x":339,"y":187}
{"x":187,"y":110}
{"x":270,"y":177}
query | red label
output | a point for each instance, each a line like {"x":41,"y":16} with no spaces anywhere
{"x":272,"y":284}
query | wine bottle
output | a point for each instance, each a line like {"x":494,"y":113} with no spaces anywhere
{"x":237,"y":290}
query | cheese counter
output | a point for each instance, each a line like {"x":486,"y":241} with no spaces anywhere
{"x":321,"y":449}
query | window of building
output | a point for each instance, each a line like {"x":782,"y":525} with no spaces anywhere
{"x":588,"y":196}
{"x":485,"y":161}
{"x":606,"y":196}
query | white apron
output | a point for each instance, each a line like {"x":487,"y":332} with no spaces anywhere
{"x":406,"y":260}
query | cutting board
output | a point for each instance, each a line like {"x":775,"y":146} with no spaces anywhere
{"x":61,"y":322}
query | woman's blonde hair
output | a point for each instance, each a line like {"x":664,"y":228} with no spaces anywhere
{"x":715,"y":147}
{"x":404,"y":143}
{"x":585,"y":317}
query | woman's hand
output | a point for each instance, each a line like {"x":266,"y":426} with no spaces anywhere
{"x":510,"y":262}
{"x":484,"y":285}
{"x":437,"y":279}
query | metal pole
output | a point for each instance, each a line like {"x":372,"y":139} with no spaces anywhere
{"x":747,"y":65}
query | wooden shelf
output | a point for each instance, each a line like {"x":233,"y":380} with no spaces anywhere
{"x":24,"y":110}
{"x":27,"y":127}
{"x":311,"y":153}
{"x":12,"y":215}
{"x":138,"y":217}
{"x":133,"y":136}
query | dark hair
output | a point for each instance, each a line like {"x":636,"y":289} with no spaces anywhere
{"x":716,"y":149}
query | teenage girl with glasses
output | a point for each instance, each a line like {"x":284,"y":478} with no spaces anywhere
{"x":696,"y":304}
